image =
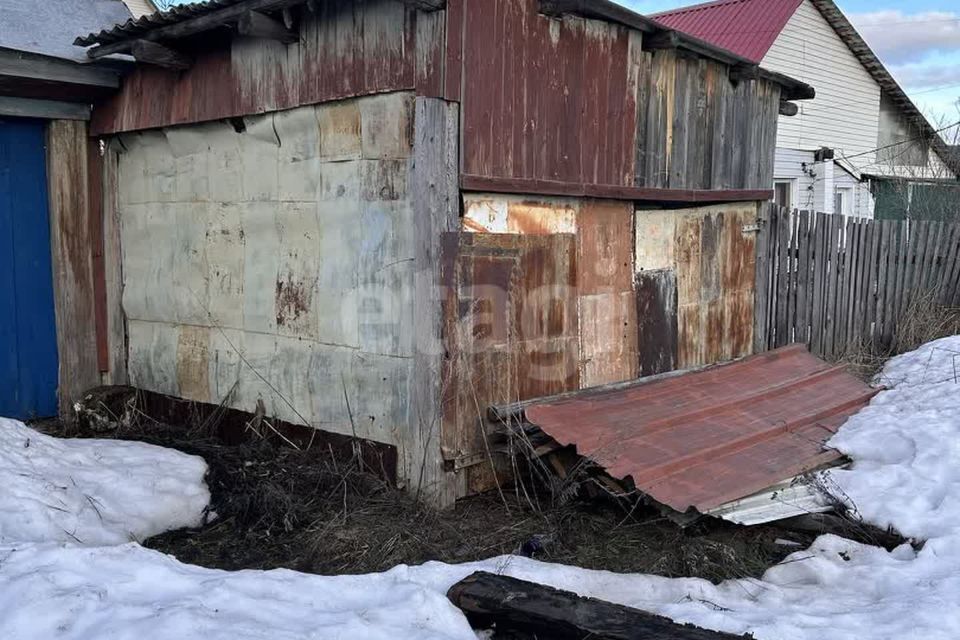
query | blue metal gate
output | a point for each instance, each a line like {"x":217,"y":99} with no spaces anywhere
{"x":28,"y":341}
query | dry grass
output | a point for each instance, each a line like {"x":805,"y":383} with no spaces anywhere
{"x":924,"y":320}
{"x":307,"y":510}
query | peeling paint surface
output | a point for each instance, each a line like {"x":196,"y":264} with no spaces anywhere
{"x":276,"y":262}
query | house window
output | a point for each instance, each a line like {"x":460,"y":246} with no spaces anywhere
{"x":843,"y":201}
{"x":783,"y":193}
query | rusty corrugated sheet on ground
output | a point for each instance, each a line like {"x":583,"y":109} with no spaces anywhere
{"x":347,"y":48}
{"x":707,"y":437}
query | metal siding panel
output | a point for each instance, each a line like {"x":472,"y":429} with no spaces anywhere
{"x":554,"y":100}
{"x":29,"y":365}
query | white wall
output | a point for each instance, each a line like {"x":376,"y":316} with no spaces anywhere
{"x":845,"y":114}
{"x":809,"y":191}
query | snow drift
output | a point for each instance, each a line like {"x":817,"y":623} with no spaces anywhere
{"x":94,"y":492}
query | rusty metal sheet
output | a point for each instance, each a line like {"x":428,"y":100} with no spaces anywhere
{"x":702,"y":439}
{"x":346,"y":49}
{"x":498,"y":213}
{"x":695,"y":286}
{"x":510,"y":329}
{"x":552,"y":100}
{"x":608,"y":319}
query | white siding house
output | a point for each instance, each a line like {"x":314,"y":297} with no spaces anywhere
{"x":872,"y":130}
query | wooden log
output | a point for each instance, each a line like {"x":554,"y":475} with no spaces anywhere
{"x":517,"y":605}
{"x":159,"y":55}
{"x":257,"y":25}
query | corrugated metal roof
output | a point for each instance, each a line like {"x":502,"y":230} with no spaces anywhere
{"x":48,"y":28}
{"x":134,"y":27}
{"x":746,"y":27}
{"x":705,"y":438}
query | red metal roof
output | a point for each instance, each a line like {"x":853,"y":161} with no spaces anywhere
{"x":746,"y":27}
{"x":704,"y":438}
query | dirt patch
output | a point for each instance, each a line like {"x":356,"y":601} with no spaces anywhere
{"x":276,"y":506}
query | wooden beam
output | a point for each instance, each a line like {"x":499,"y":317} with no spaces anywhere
{"x":788,"y":109}
{"x":662,"y":40}
{"x":159,"y":55}
{"x":19,"y":64}
{"x":472,"y":182}
{"x":47,"y":109}
{"x":427,"y":5}
{"x":514,"y":605}
{"x":226,"y":16}
{"x":257,"y":25}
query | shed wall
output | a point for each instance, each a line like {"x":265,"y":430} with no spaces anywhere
{"x":276,"y":263}
{"x":347,"y":48}
{"x":577,"y":101}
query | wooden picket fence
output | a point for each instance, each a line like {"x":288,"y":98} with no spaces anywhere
{"x":836,"y":282}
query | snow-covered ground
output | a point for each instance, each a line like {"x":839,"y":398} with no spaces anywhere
{"x":906,"y":448}
{"x":93,"y":492}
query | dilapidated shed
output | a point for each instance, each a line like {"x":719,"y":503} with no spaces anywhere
{"x":379,"y":217}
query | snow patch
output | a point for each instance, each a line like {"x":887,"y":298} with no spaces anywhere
{"x":94,"y":492}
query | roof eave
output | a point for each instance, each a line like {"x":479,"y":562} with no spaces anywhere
{"x":862,"y":51}
{"x":611,"y":12}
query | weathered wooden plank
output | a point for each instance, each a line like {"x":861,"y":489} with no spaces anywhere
{"x":803,"y":278}
{"x":918,"y":241}
{"x":816,"y":289}
{"x":834,"y":248}
{"x":945,"y":270}
{"x":950,"y":293}
{"x":30,"y":108}
{"x":67,"y":167}
{"x":871,"y":266}
{"x":116,"y":372}
{"x":931,"y":258}
{"x":255,"y":24}
{"x":906,"y":230}
{"x":436,"y":201}
{"x":513,"y":606}
{"x":761,"y":318}
{"x":883,"y":269}
{"x":857,"y":284}
{"x":783,"y":279}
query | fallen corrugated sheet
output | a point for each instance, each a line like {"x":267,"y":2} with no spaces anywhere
{"x":706,"y":438}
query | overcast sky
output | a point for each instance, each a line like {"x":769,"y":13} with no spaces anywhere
{"x":918,"y":41}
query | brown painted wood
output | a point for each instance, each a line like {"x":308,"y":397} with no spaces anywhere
{"x":513,"y":605}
